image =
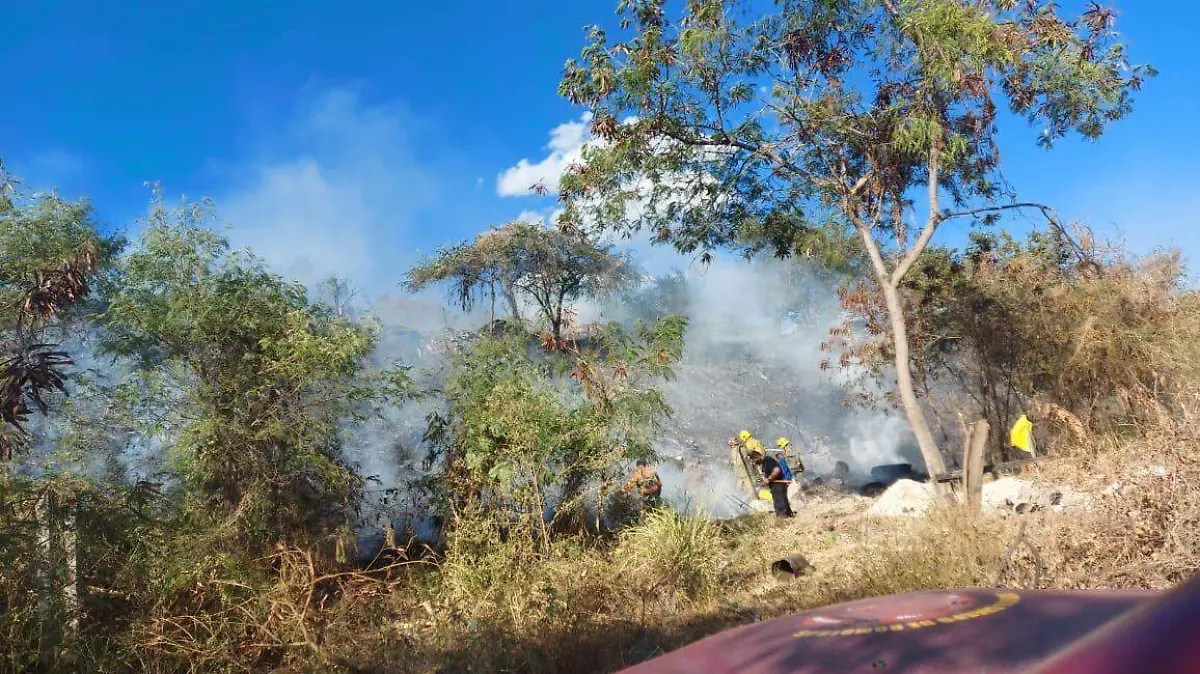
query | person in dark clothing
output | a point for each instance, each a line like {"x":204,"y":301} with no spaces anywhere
{"x":774,"y":481}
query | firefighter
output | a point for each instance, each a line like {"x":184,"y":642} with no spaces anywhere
{"x":744,"y":447}
{"x":648,"y":484}
{"x":775,"y":482}
{"x":782,"y":445}
{"x":750,"y":443}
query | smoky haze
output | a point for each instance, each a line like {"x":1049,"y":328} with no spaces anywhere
{"x":752,"y":360}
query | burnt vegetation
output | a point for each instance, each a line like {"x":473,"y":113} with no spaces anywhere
{"x":33,"y":369}
{"x":179,"y":491}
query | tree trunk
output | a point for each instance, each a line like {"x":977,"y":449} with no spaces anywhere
{"x":492,"y":305}
{"x":974,"y":441}
{"x":70,"y":544}
{"x":47,"y":613}
{"x":58,"y":592}
{"x":511,"y":296}
{"x":889,"y":284}
{"x":934,"y":462}
{"x":556,"y":323}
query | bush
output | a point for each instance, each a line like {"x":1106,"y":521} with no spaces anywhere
{"x":678,"y":554}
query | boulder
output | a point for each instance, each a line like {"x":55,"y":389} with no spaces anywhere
{"x":904,"y":498}
{"x":1010,"y":494}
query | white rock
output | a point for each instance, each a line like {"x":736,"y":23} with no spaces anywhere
{"x":904,"y":498}
{"x":794,"y":491}
{"x":1010,"y":493}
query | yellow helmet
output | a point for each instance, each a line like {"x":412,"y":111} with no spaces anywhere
{"x":744,"y":435}
{"x":782,"y":443}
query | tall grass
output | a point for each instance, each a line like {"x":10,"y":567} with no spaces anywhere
{"x":680,"y":553}
{"x":498,"y":600}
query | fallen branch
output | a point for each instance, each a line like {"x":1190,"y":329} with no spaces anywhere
{"x":1006,"y":558}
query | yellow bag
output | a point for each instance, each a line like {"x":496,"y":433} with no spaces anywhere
{"x":1021,"y":435}
{"x":764,"y":494}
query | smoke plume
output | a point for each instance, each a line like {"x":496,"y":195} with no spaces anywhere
{"x":752,"y":361}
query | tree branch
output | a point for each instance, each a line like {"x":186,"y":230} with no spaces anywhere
{"x":1050,"y":214}
{"x":862,"y":182}
{"x":918,"y":247}
{"x":761,"y":151}
{"x":872,"y":248}
{"x":1046,"y":210}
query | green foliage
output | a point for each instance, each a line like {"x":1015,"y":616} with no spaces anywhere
{"x":524,"y":260}
{"x":253,"y":380}
{"x":535,"y":429}
{"x":732,"y":126}
{"x":802,"y":131}
{"x":37,"y":233}
{"x":1087,"y":343}
{"x":51,"y":257}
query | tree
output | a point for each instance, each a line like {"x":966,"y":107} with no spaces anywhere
{"x":1026,"y":327}
{"x":548,"y":266}
{"x":656,"y":299}
{"x":711,"y":124}
{"x":533,"y":431}
{"x":254,"y":383}
{"x":51,"y":260}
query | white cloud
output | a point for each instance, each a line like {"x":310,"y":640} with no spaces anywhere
{"x":544,"y":216}
{"x":566,"y":147}
{"x":334,"y":194}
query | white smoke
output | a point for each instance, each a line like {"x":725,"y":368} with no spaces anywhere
{"x":753,"y":353}
{"x":703,"y":487}
{"x":752,"y":360}
{"x":390,"y":450}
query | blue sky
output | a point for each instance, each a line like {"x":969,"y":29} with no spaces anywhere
{"x":345,"y":140}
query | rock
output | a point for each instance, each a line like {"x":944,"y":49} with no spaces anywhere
{"x":759,"y":506}
{"x":904,"y":498}
{"x":795,"y":490}
{"x":1010,"y":493}
{"x":1014,"y":494}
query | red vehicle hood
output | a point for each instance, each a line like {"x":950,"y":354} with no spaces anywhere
{"x":956,"y":631}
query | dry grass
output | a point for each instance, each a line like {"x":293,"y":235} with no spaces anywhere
{"x":613,"y":606}
{"x":497,"y":601}
{"x":599,"y":605}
